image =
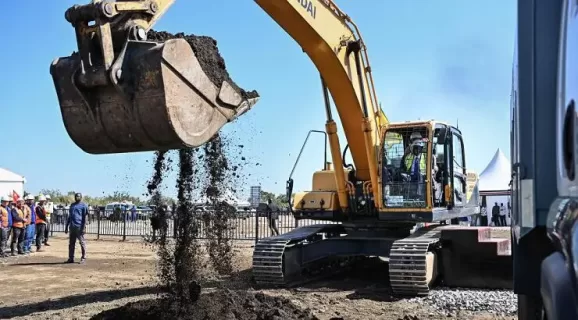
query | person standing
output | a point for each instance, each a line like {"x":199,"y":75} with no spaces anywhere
{"x":4,"y":225}
{"x":19,"y":222}
{"x":77,"y":215}
{"x":31,"y":228}
{"x":9,"y":209}
{"x":49,"y":209}
{"x":40,"y":222}
{"x":133,"y":213}
{"x":496,"y":214}
{"x":502,"y":215}
{"x":484,"y":216}
{"x":272,"y":216}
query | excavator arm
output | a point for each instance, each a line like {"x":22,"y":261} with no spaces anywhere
{"x":122,"y":93}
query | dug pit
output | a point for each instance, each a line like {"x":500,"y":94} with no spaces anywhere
{"x":218,"y":305}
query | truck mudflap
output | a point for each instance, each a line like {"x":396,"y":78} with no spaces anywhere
{"x":413,"y":264}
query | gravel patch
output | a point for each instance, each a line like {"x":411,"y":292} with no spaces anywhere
{"x":455,"y":300}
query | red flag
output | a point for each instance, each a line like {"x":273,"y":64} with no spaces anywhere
{"x":15,"y":196}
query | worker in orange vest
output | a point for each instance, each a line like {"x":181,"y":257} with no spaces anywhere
{"x":18,"y":224}
{"x":27,"y":221}
{"x":40,"y":222}
{"x":3,"y":224}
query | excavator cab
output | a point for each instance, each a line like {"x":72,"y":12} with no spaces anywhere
{"x":424,"y":173}
{"x":121,"y":93}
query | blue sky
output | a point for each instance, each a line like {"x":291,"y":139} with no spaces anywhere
{"x":444,"y":60}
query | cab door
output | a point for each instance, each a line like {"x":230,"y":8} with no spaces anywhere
{"x":458,"y":170}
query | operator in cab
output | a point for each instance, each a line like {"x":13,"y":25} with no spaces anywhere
{"x":415,"y":161}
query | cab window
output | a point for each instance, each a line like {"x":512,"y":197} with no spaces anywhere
{"x":393,"y":148}
{"x":458,"y":152}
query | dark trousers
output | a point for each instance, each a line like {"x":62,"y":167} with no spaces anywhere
{"x":17,"y":240}
{"x":3,"y":240}
{"x":40,"y":230}
{"x":8,"y":234}
{"x":503,"y":221}
{"x":484,"y":221}
{"x":76,"y":234}
{"x":273,"y":227}
{"x":46,"y":233}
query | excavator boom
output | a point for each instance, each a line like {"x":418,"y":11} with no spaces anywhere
{"x":122,"y":93}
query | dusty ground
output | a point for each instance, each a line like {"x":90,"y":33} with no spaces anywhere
{"x":41,"y":287}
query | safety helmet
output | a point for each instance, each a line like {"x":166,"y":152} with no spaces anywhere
{"x":21,"y":199}
{"x":6,"y":198}
{"x":414,"y":136}
{"x":47,"y":197}
{"x":41,"y":198}
{"x":29,"y":197}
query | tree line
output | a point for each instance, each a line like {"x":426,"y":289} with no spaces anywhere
{"x":59,"y":197}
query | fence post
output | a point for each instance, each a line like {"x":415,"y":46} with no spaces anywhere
{"x":256,"y":226}
{"x":98,"y":224}
{"x":124,"y":225}
{"x":175,"y":220}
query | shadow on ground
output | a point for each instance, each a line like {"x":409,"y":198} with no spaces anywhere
{"x":73,"y":301}
{"x":367,"y":279}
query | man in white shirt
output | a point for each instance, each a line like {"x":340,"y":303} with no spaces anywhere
{"x":502,"y":215}
{"x":48,"y":208}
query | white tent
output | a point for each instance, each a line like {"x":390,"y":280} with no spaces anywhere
{"x":494,"y":183}
{"x":10,"y":181}
{"x":496,"y":176}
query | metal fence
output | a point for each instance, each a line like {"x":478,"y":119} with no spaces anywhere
{"x":245,"y":226}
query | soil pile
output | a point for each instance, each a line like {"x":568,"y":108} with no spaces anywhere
{"x":225,"y":304}
{"x":205,"y":48}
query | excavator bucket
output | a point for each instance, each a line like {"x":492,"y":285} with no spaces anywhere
{"x":156,"y":97}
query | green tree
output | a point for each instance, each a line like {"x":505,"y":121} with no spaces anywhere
{"x":278,"y":199}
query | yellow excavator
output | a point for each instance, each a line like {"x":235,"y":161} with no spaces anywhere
{"x":121,"y":93}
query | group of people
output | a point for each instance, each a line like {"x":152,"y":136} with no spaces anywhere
{"x":24,"y":223}
{"x":498,"y":215}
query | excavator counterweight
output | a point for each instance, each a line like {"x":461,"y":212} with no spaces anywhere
{"x":137,"y":95}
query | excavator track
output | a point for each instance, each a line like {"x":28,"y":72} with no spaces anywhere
{"x":270,"y":268}
{"x":412,"y":264}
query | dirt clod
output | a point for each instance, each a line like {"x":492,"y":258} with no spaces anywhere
{"x":207,"y":52}
{"x":224,"y":304}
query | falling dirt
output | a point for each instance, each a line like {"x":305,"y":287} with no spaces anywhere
{"x":207,"y":52}
{"x":223,"y":304}
{"x":219,"y":245}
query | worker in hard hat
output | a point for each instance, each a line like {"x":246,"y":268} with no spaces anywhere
{"x":40,"y":222}
{"x":19,"y":222}
{"x":414,"y":137}
{"x":27,"y":217}
{"x":415,"y":162}
{"x":31,"y":227}
{"x":9,"y":209}
{"x":4,"y":223}
{"x":48,"y":208}
{"x":77,"y":215}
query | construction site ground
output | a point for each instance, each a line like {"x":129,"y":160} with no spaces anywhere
{"x":40,"y":286}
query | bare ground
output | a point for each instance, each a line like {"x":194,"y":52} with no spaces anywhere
{"x":40,"y":286}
